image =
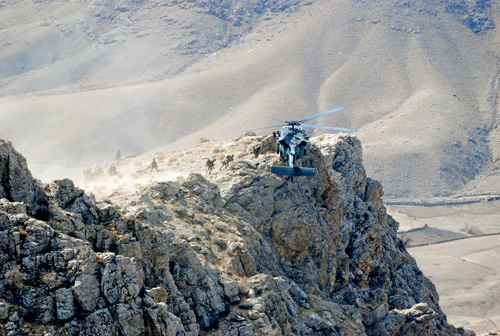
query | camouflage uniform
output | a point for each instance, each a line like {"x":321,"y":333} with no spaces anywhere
{"x":227,"y":160}
{"x":210,"y":165}
{"x":256,"y":151}
{"x":154,"y":165}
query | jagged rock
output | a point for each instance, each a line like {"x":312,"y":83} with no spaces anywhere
{"x":86,"y":291}
{"x":17,"y":183}
{"x":121,"y":281}
{"x":65,"y":308}
{"x":38,"y":236}
{"x":99,"y":323}
{"x":162,"y":322}
{"x":4,"y":310}
{"x":245,"y":252}
{"x":346,"y":159}
{"x":73,"y":199}
{"x":130,"y":319}
{"x":13,"y":208}
{"x":198,"y":284}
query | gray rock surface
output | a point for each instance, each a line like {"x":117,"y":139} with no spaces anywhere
{"x":244,"y":252}
{"x":17,"y":183}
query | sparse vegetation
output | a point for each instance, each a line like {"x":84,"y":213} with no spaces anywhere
{"x":406,"y":241}
{"x":14,"y":276}
{"x":160,"y":156}
{"x":472,"y":230}
{"x":243,"y":287}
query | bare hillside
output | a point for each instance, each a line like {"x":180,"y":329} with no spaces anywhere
{"x":466,"y":275}
{"x":418,"y":78}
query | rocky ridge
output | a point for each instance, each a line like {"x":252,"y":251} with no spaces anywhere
{"x":472,"y":14}
{"x":238,"y":251}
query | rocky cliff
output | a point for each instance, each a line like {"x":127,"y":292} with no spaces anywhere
{"x":238,"y":251}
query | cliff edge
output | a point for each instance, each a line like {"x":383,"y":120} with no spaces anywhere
{"x":238,"y":251}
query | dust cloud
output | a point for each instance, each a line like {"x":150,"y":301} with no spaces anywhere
{"x":126,"y":177}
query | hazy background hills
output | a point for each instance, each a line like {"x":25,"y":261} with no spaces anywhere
{"x":419,"y":79}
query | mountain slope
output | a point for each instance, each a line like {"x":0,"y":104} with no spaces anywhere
{"x":419,"y":80}
{"x":238,"y":251}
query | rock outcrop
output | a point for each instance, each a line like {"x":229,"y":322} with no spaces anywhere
{"x":17,"y":183}
{"x":240,"y":252}
{"x":475,"y":15}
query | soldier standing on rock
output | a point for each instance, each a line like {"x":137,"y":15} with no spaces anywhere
{"x":118,"y":157}
{"x":256,"y":151}
{"x":112,"y":170}
{"x":154,"y":165}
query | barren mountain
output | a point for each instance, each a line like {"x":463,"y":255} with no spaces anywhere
{"x":419,"y":79}
{"x":235,"y":251}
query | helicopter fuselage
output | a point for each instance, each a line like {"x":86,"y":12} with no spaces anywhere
{"x":291,"y":144}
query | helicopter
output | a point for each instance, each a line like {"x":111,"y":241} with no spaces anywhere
{"x":292,"y":141}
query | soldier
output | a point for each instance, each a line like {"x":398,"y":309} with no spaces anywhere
{"x":154,"y":165}
{"x":88,"y":174}
{"x":210,"y":165}
{"x":98,"y":172}
{"x":118,"y":157}
{"x":256,"y":151}
{"x":227,"y":160}
{"x":112,"y":170}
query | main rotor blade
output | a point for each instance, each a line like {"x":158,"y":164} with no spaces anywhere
{"x":261,"y":128}
{"x":260,"y":115}
{"x":329,"y":128}
{"x":321,"y":114}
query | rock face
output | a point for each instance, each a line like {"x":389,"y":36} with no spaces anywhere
{"x":17,"y":184}
{"x":473,"y":14}
{"x":243,"y":253}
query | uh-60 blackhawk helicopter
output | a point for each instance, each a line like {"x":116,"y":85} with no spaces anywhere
{"x":292,"y":141}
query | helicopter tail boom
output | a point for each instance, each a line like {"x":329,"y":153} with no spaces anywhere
{"x":293,"y":171}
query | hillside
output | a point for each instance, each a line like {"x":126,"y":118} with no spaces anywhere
{"x":235,"y":251}
{"x":417,"y":78}
{"x":470,"y":298}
